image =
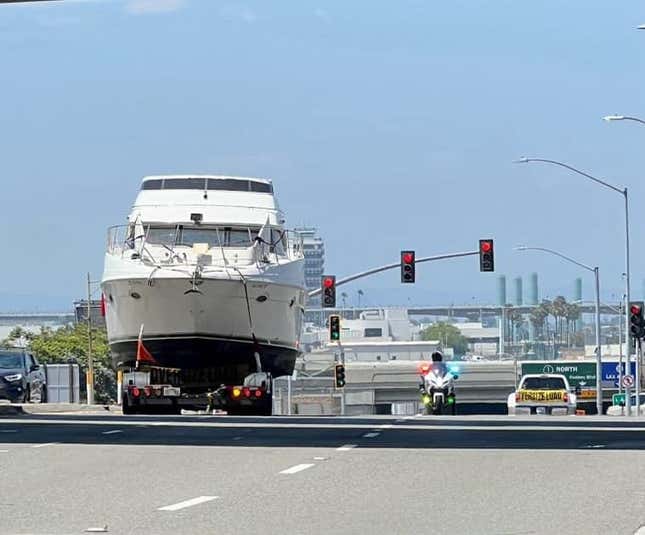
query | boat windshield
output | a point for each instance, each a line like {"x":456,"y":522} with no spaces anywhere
{"x":226,"y":236}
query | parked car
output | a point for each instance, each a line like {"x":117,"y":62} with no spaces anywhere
{"x":22,"y":378}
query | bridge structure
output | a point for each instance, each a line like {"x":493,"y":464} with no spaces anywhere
{"x":471,"y":312}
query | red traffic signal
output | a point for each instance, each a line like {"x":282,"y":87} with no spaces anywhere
{"x":486,"y":256}
{"x":407,"y":267}
{"x":636,"y":320}
{"x":328,"y":283}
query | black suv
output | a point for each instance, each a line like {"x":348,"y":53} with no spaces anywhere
{"x":22,"y":379}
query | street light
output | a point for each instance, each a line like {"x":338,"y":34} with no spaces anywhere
{"x":594,"y":270}
{"x":623,"y":192}
{"x":610,"y":118}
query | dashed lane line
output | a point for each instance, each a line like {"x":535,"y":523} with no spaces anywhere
{"x":112,"y":432}
{"x":371,"y":435}
{"x":297,"y":468}
{"x":346,"y":447}
{"x":187,"y":503}
{"x":45,"y":444}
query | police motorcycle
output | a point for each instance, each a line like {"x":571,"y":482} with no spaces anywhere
{"x":438,"y":386}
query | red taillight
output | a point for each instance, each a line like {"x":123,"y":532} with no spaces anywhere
{"x":517,"y":396}
{"x":102,"y":304}
{"x":147,"y":391}
{"x":565,"y":397}
{"x":135,"y":392}
{"x":247,"y":392}
{"x":424,"y":368}
{"x":258,"y":393}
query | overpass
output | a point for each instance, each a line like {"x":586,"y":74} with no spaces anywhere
{"x":462,"y":311}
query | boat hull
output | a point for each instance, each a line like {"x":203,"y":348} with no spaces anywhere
{"x":218,"y":327}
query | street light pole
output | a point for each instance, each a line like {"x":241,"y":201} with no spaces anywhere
{"x":598,"y":352}
{"x":90,"y":357}
{"x":625,"y":195}
{"x":596,"y":273}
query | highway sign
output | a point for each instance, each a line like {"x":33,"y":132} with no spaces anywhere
{"x":582,"y":374}
{"x":628,"y":381}
{"x":610,"y":373}
{"x":618,"y":399}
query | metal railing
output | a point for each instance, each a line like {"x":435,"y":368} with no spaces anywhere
{"x":183,"y":244}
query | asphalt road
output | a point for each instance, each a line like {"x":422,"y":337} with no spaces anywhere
{"x":183,"y":475}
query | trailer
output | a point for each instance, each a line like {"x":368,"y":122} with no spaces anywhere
{"x":155,"y":389}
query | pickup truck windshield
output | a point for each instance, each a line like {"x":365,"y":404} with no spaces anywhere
{"x":543,"y":383}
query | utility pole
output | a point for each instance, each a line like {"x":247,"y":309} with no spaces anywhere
{"x":90,"y":359}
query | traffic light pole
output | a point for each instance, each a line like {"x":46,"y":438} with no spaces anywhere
{"x":395,"y":265}
{"x":341,"y":360}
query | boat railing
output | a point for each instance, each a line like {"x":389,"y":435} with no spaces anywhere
{"x":146,"y":243}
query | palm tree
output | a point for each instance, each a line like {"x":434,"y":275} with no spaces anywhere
{"x":343,"y":296}
{"x":360,"y":294}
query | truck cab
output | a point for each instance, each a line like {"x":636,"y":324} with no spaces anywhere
{"x":542,"y":394}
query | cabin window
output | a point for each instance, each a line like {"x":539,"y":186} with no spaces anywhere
{"x":228,"y":184}
{"x":152,"y":184}
{"x":222,"y":184}
{"x":161,"y":235}
{"x":184,"y":183}
{"x":190,"y":236}
{"x":373,"y":332}
{"x":261,"y":187}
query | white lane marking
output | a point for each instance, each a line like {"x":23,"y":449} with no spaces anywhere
{"x":8,"y":431}
{"x":112,"y":432}
{"x":187,"y":503}
{"x":640,"y":531}
{"x":385,"y":426}
{"x":238,"y":438}
{"x":4,"y":451}
{"x":320,"y":458}
{"x":346,"y":447}
{"x":371,"y":435}
{"x":45,"y":444}
{"x":297,"y":468}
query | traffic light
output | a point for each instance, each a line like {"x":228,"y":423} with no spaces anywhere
{"x":339,"y":375}
{"x":334,"y":328}
{"x":636,"y":320}
{"x":486,"y":255}
{"x":328,"y":283}
{"x":407,"y":266}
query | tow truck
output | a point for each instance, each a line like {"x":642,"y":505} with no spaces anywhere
{"x":542,"y":394}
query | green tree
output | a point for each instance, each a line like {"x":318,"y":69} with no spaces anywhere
{"x":53,"y":346}
{"x":448,"y":335}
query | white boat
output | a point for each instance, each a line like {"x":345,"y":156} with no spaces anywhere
{"x":206,"y":266}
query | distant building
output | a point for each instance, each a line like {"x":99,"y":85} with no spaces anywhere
{"x":80,"y":312}
{"x":314,"y":251}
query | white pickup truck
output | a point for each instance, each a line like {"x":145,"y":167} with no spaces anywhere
{"x":542,"y":394}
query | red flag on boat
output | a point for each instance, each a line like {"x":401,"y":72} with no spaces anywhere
{"x":143,"y":355}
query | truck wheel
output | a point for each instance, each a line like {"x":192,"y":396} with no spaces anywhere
{"x":126,"y":407}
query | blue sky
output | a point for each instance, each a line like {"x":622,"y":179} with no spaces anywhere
{"x":388,"y":125}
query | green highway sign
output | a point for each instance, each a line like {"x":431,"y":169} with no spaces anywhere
{"x":618,"y":399}
{"x":581,"y":374}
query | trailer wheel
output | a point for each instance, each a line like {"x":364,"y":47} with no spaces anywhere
{"x":126,"y":407}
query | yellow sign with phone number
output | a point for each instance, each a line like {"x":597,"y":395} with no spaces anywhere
{"x":542,"y":395}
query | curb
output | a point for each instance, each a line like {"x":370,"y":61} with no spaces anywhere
{"x":52,"y":408}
